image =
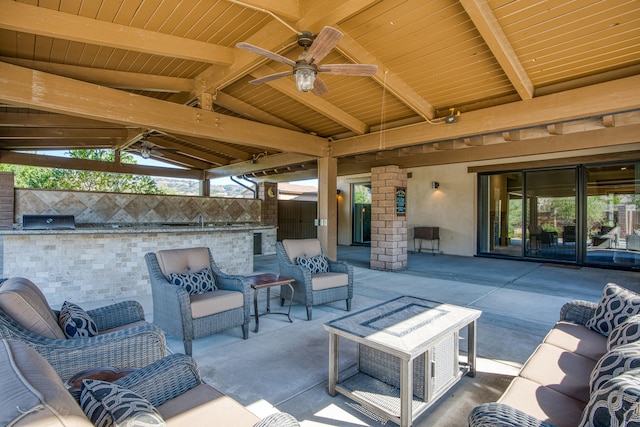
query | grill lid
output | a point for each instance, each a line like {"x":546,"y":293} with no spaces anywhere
{"x":48,"y":222}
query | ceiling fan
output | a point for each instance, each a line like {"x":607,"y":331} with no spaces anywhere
{"x":147,"y":148}
{"x":306,"y":68}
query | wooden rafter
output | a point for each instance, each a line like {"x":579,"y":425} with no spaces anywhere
{"x":109,"y":78}
{"x":485,"y":21}
{"x":46,"y":22}
{"x":62,"y":95}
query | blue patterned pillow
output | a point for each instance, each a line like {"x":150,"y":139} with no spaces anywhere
{"x":75,"y":322}
{"x":616,"y":305}
{"x":626,"y":332}
{"x":615,"y":403}
{"x":615,"y":362}
{"x":195,"y":283}
{"x":107,"y":404}
{"x":316,"y":264}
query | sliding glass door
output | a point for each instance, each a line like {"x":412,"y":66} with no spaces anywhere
{"x":582,"y":214}
{"x":550,"y":214}
{"x":613,"y":214}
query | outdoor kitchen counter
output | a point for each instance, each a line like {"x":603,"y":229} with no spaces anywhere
{"x":103,"y":263}
{"x":139,"y":229}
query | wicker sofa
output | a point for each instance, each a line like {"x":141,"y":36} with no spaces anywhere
{"x":35,"y":395}
{"x":585,"y":373}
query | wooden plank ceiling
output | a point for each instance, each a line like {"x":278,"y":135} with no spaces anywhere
{"x":527,"y":76}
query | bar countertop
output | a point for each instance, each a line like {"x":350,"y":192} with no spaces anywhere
{"x":139,"y":229}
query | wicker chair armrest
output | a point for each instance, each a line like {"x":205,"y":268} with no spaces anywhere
{"x":340,"y":267}
{"x":231,"y":282}
{"x":279,"y":419}
{"x":578,"y":311}
{"x":115,"y":315}
{"x":501,"y":415}
{"x":136,"y":347}
{"x":297,"y":272}
{"x":164,"y":379}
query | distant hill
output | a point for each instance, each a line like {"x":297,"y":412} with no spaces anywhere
{"x":188,"y":187}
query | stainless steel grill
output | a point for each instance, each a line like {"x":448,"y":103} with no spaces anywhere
{"x":48,"y":222}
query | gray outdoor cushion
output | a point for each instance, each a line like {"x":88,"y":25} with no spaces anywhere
{"x":626,"y":332}
{"x":615,"y":403}
{"x":617,"y":304}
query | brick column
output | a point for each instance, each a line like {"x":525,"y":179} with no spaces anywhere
{"x":268,"y":193}
{"x":388,"y":230}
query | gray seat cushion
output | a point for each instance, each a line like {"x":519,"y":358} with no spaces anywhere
{"x":543,"y":403}
{"x":33,"y":394}
{"x":577,"y":339}
{"x":24,"y":302}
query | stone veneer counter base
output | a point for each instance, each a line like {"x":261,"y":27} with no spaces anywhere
{"x":92,"y":264}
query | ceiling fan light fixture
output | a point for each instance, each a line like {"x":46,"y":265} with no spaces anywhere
{"x":305,"y":77}
{"x":145,"y":152}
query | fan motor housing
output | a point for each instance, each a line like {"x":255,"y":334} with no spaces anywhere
{"x":305,"y":38}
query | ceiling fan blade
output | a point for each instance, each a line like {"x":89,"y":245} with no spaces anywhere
{"x":319,"y":88}
{"x":270,"y":77}
{"x":349,"y":69}
{"x":264,"y":52}
{"x":326,"y":40}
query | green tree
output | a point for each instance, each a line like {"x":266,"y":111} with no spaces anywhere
{"x":64,"y":179}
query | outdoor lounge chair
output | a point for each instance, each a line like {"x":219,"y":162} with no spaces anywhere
{"x":190,"y":314}
{"x":607,"y":239}
{"x":124,"y":338}
{"x":311,"y":286}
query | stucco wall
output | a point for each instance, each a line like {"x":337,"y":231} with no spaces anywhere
{"x":451,"y":207}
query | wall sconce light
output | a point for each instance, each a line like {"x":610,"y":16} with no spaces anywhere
{"x":435,"y":185}
{"x":339,"y":192}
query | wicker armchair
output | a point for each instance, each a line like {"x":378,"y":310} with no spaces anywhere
{"x":125,"y":339}
{"x":313,"y":289}
{"x":173,"y":307}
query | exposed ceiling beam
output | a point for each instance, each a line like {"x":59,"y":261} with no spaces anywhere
{"x":51,"y":23}
{"x":54,"y":144}
{"x":487,"y":24}
{"x":109,"y":78}
{"x":215,"y":146}
{"x":604,"y":98}
{"x":269,"y":162}
{"x":251,"y":112}
{"x":30,"y":119}
{"x":62,"y":133}
{"x":189,"y":151}
{"x":605,"y":137}
{"x":34,"y":89}
{"x":390,"y":81}
{"x":10,"y":157}
{"x":309,"y":100}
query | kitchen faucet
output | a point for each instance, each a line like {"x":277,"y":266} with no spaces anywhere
{"x":200,"y":219}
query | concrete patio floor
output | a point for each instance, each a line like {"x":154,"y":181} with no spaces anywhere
{"x":284,"y":367}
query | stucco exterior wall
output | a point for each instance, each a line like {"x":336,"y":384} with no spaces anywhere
{"x":451,"y":207}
